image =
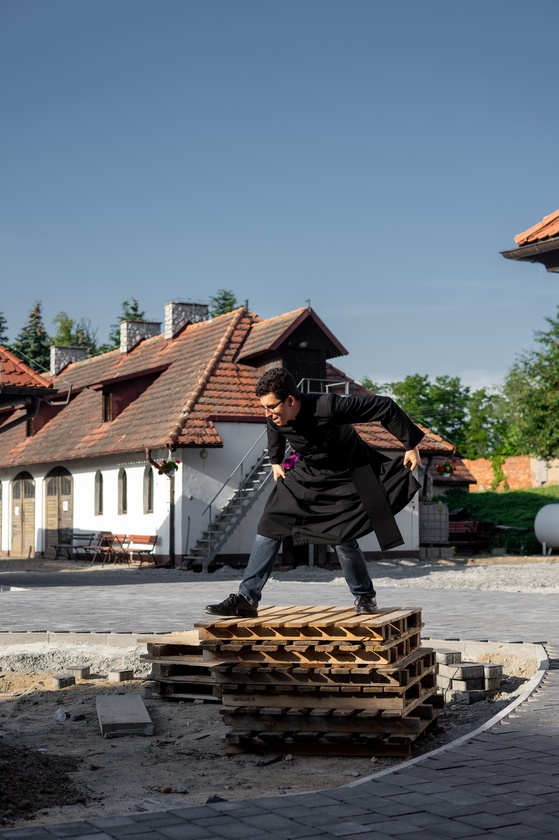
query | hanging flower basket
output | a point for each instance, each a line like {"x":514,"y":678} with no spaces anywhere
{"x":445,"y":469}
{"x":168,"y":466}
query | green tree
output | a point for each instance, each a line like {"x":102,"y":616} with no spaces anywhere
{"x":3,"y":329}
{"x":478,"y":423}
{"x":70,"y":333}
{"x":441,"y":405}
{"x":223,"y":301}
{"x":371,"y":386}
{"x":130,"y":312}
{"x":486,"y":432}
{"x":32,"y":344}
{"x":532,"y":389}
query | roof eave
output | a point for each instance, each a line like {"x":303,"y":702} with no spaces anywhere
{"x":545,"y":252}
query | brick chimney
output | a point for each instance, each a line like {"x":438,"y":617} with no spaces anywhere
{"x":177,"y":314}
{"x":61,"y":357}
{"x":132,"y":332}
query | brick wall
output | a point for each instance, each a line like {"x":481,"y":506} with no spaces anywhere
{"x":518,"y":469}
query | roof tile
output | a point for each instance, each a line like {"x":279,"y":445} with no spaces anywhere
{"x":546,"y":229}
{"x":196,"y":379}
{"x":15,"y":373}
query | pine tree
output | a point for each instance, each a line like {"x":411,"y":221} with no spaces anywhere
{"x":3,"y":329}
{"x":32,"y":344}
{"x":223,"y":301}
{"x":130,"y":312}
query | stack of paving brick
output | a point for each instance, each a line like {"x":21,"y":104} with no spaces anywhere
{"x":466,"y":682}
{"x":323,"y":680}
{"x":178,"y":668}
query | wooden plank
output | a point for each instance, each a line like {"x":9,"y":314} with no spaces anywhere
{"x":186,"y":659}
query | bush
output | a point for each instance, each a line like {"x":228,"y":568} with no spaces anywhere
{"x":514,"y":508}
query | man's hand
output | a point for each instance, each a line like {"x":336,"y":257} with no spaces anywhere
{"x":412,"y":458}
{"x":278,"y":471}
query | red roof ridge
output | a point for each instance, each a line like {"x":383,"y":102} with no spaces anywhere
{"x":204,"y":378}
{"x":548,"y":227}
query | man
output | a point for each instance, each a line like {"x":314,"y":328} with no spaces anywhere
{"x":337,"y":490}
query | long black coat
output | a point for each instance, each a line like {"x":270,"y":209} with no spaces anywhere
{"x":340,"y":488}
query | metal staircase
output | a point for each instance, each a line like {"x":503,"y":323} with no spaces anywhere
{"x":222,"y":525}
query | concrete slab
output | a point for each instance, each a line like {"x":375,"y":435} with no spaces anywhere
{"x":123,"y":714}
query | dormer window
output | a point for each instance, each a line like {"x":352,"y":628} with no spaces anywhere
{"x":119,"y":392}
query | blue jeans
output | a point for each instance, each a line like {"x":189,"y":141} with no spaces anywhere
{"x":263,"y":557}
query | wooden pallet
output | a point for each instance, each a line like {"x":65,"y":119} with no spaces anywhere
{"x":332,"y":624}
{"x":399,"y":674}
{"x":317,"y":655}
{"x":178,"y":668}
{"x":308,"y":680}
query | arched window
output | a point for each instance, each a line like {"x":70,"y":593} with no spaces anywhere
{"x":122,"y":492}
{"x":98,"y":493}
{"x":148,"y":489}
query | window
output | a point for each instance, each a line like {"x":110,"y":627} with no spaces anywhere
{"x":148,"y":489}
{"x":107,"y":407}
{"x":122,"y":492}
{"x":98,"y":493}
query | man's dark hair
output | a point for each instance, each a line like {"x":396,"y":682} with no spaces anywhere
{"x":277,"y":381}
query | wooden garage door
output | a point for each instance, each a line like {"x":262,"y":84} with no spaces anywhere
{"x":23,"y":515}
{"x":58,"y":509}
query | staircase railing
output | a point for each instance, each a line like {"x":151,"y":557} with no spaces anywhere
{"x":223,"y":523}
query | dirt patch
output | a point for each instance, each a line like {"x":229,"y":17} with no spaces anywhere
{"x":55,"y":765}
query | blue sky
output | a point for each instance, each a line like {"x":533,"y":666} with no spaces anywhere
{"x":373,"y":157}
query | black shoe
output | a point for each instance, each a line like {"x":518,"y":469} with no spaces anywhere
{"x":365,"y":604}
{"x":233,"y":605}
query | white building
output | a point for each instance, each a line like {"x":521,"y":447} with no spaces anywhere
{"x":77,"y":449}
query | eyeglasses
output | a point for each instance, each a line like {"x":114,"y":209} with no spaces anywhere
{"x":271,"y":407}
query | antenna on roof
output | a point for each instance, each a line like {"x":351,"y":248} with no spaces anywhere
{"x":308,"y":302}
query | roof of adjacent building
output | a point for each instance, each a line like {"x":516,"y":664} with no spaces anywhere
{"x":546,"y":229}
{"x":177,"y":389}
{"x":16,"y":374}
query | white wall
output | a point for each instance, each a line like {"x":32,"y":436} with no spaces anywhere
{"x":135,"y":521}
{"x":203,"y":478}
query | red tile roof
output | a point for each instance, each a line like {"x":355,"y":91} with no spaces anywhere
{"x":269,"y":335}
{"x":16,"y":374}
{"x":546,"y":229}
{"x":196,"y":379}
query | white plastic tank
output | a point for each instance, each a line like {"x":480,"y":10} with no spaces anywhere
{"x":546,"y":526}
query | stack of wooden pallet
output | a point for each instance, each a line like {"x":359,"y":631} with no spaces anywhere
{"x":323,"y":680}
{"x":178,"y":667}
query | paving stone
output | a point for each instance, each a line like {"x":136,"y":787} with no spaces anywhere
{"x":349,"y":829}
{"x":75,"y":829}
{"x":186,"y":831}
{"x":123,"y":714}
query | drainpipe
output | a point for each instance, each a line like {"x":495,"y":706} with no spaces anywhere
{"x":171,"y":509}
{"x":172,"y":520}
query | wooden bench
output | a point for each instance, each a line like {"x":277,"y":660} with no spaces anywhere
{"x":142,"y":546}
{"x":77,"y":540}
{"x":98,"y":548}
